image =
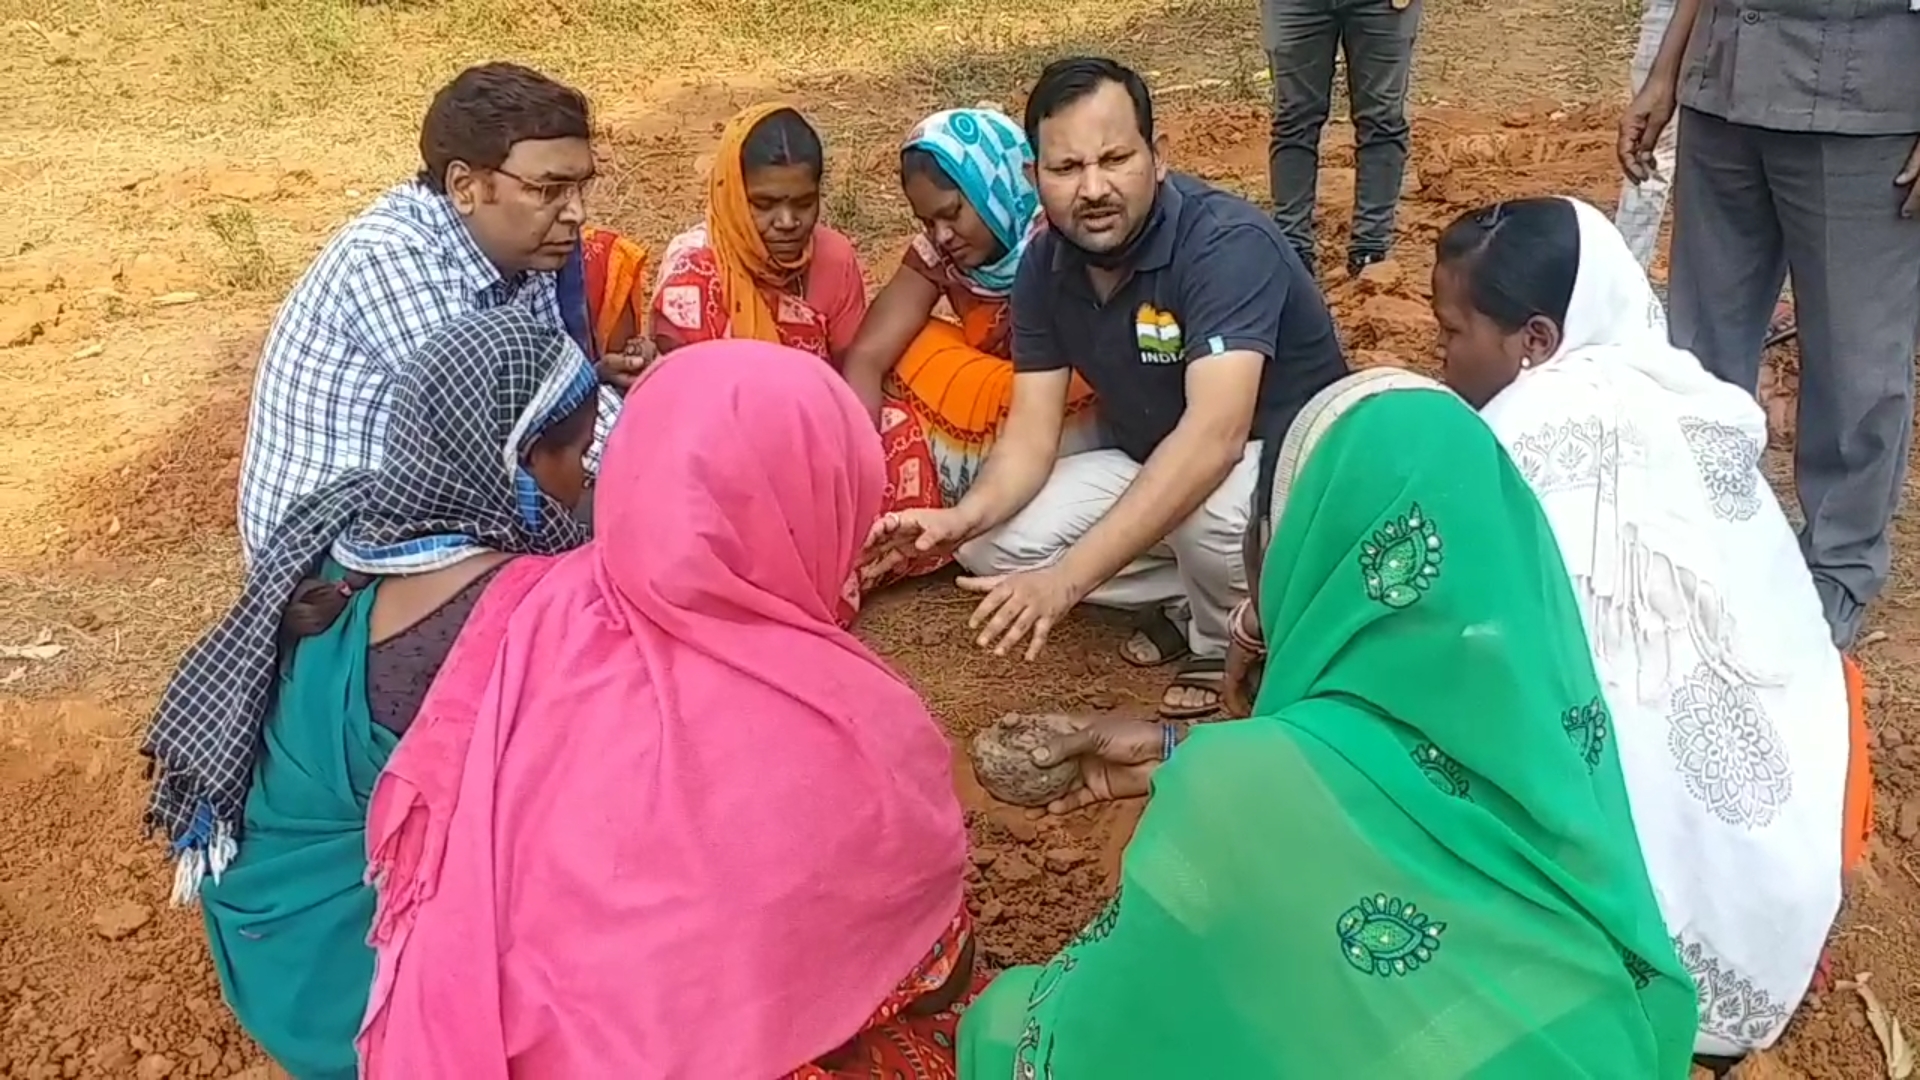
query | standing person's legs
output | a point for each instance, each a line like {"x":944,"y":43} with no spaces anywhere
{"x":1378,"y":39}
{"x":1856,"y":281}
{"x":1082,"y":488}
{"x":1643,"y":205}
{"x":1727,"y":258}
{"x":1300,"y":38}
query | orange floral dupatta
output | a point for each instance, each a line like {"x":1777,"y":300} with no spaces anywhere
{"x":615,"y":266}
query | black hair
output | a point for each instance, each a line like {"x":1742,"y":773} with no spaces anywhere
{"x":1519,"y":258}
{"x":1067,"y":81}
{"x":915,"y":161}
{"x":783,"y":138}
{"x":572,"y":428}
{"x":478,"y":117}
{"x":316,"y":603}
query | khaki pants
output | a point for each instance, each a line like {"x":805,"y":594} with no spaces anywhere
{"x":1196,"y":573}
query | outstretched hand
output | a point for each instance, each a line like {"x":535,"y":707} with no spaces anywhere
{"x":1117,"y":759}
{"x":923,"y":532}
{"x":1024,"y":606}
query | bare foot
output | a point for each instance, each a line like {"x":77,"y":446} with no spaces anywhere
{"x":1196,"y":690}
{"x":1154,"y":642}
{"x":1189,"y":699}
{"x":1140,"y":651}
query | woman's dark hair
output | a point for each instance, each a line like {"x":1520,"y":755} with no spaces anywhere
{"x":478,"y":117}
{"x":316,"y":603}
{"x":1519,"y":259}
{"x":573,"y":427}
{"x":783,"y":138}
{"x":1067,"y":81}
{"x":915,"y":161}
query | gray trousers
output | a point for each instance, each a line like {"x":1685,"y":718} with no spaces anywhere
{"x":1750,"y":203}
{"x":1301,"y":38}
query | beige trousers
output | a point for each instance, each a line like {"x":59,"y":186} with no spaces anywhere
{"x":1196,"y":574}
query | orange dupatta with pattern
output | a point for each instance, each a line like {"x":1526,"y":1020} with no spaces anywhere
{"x":744,"y":261}
{"x":615,"y":265}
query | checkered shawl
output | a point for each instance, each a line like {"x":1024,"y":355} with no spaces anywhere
{"x":450,"y":485}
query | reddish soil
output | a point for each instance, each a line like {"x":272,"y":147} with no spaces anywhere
{"x":99,"y":978}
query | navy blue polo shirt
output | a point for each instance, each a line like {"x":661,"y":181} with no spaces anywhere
{"x":1213,"y":274}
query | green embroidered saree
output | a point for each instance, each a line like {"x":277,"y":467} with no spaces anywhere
{"x":1415,"y":861}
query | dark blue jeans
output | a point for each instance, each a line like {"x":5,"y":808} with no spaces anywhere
{"x":1301,"y":38}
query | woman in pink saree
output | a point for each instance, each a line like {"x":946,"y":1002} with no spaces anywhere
{"x":660,"y":816}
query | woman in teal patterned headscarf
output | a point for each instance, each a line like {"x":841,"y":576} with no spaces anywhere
{"x":985,"y":156}
{"x":940,"y":389}
{"x":1416,"y":859}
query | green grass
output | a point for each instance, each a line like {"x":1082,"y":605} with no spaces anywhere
{"x":244,"y":263}
{"x":226,"y":65}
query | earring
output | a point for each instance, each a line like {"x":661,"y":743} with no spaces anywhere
{"x":1526,"y":362}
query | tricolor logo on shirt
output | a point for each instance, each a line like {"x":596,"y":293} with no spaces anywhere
{"x":1158,"y":333}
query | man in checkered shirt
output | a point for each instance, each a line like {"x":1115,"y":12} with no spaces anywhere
{"x":490,"y":220}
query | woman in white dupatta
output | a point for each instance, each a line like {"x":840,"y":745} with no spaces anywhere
{"x":1739,"y":725}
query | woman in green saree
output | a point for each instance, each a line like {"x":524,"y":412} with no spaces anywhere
{"x":1415,"y":861}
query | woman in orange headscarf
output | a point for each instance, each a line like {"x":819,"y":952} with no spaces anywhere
{"x":761,"y":265}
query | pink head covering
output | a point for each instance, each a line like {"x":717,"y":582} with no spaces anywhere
{"x":701,"y":830}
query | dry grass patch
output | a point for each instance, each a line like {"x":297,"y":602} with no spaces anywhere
{"x":227,"y":65}
{"x":244,"y":263}
{"x":232,"y":136}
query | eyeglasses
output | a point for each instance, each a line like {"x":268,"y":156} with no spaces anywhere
{"x":553,"y":192}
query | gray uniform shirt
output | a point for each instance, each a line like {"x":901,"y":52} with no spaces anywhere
{"x":1843,"y":67}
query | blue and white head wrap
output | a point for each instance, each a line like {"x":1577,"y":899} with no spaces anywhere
{"x":986,"y":155}
{"x":452,"y":483}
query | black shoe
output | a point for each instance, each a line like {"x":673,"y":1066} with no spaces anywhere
{"x":1360,"y":260}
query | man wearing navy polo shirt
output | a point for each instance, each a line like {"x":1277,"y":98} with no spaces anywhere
{"x":1202,"y":335}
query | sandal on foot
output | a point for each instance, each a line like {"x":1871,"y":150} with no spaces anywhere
{"x":1197,"y":673}
{"x":1168,"y":640}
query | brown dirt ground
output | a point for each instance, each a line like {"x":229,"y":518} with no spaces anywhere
{"x":125,"y":419}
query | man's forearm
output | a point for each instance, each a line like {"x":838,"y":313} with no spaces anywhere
{"x":1013,"y":474}
{"x":866,"y":375}
{"x":1177,"y":478}
{"x":1673,"y":47}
